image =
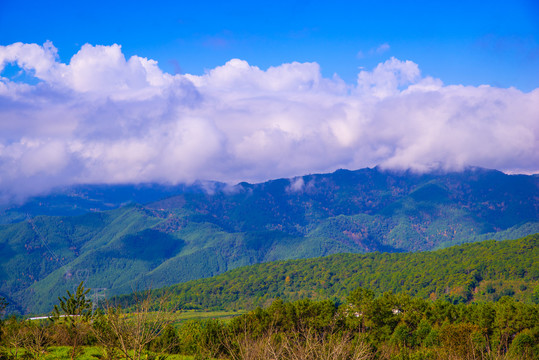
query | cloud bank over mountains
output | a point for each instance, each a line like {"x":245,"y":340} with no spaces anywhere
{"x":102,"y":118}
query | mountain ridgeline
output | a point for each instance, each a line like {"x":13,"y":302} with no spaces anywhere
{"x":204,"y":230}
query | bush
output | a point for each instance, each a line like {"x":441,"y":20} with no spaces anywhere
{"x":524,"y":346}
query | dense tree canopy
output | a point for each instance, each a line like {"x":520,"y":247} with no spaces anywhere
{"x":483,"y":271}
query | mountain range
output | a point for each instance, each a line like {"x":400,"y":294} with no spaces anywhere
{"x":118,"y":238}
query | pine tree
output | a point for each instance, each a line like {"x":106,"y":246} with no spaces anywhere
{"x":73,"y":316}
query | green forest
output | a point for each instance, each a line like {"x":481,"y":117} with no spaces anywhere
{"x":182,"y":234}
{"x":482,"y":271}
{"x":471,"y":301}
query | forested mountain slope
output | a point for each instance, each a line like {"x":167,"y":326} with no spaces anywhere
{"x":212,"y":227}
{"x":82,"y":199}
{"x":482,"y":271}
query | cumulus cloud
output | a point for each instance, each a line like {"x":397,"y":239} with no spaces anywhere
{"x":105,"y":118}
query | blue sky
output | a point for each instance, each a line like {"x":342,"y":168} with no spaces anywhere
{"x":173,"y":92}
{"x":460,"y":42}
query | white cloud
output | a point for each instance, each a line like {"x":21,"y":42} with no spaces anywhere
{"x":382,"y":48}
{"x":388,"y":78}
{"x":39,"y":60}
{"x":105,"y":118}
{"x":379,"y":50}
{"x":296,"y":185}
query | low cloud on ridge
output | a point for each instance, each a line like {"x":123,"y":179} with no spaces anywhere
{"x":103,"y":118}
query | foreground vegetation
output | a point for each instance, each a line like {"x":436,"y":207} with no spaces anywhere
{"x":473,"y":301}
{"x":365,"y":326}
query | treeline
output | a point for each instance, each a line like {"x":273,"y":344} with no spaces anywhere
{"x":483,"y":271}
{"x":364,"y":326}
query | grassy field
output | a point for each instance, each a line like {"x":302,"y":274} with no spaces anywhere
{"x":89,"y":353}
{"x":95,"y":352}
{"x":186,"y":315}
{"x":202,"y":315}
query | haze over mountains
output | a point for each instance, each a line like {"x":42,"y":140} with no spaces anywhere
{"x":184,"y":233}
